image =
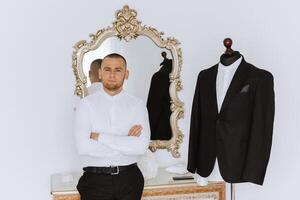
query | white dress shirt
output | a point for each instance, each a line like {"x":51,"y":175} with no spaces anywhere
{"x":223,"y":80}
{"x":94,"y":87}
{"x":112,"y":117}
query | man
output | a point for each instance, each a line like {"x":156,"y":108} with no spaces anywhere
{"x":111,"y":130}
{"x":94,"y":77}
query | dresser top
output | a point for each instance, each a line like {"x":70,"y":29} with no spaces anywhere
{"x":65,"y":183}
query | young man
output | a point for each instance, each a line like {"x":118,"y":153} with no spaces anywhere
{"x":94,"y":77}
{"x":111,"y":130}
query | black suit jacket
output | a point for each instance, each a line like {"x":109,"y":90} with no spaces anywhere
{"x":159,"y":103}
{"x":240,"y":136}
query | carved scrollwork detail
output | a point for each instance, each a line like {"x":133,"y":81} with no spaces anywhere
{"x":178,"y":85}
{"x":155,"y":32}
{"x":79,"y":44}
{"x":126,"y":23}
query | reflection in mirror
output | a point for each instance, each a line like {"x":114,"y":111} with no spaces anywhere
{"x":159,"y":101}
{"x":149,"y":68}
{"x":94,"y":80}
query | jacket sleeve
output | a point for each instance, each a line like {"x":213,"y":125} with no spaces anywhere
{"x":260,"y":139}
{"x":194,"y":129}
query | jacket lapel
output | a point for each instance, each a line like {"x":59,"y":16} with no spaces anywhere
{"x":212,"y":85}
{"x":237,"y":82}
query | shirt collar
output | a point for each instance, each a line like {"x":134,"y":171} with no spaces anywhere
{"x":232,"y":66}
{"x":115,"y":97}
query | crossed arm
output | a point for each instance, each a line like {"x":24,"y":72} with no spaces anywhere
{"x":135,"y":130}
{"x":135,"y":142}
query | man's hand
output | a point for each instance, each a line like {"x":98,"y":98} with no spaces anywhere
{"x":94,"y":136}
{"x":135,"y":130}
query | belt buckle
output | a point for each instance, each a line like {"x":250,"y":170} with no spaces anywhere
{"x":115,"y":173}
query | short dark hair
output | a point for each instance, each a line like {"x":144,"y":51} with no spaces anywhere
{"x":94,"y":70}
{"x":116,"y":55}
{"x":95,"y":65}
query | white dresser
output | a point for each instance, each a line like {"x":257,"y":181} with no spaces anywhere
{"x":163,"y":187}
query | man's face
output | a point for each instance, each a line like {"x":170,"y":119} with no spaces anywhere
{"x":113,"y":73}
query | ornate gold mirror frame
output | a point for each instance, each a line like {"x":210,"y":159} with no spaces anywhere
{"x":127,"y":27}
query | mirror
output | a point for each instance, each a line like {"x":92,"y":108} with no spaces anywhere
{"x":154,"y":65}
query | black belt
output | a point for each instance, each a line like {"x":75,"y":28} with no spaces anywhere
{"x":112,"y":170}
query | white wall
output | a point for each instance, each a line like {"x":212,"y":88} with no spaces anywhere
{"x":37,"y":80}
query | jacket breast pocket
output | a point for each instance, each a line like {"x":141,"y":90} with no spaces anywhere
{"x":242,"y":101}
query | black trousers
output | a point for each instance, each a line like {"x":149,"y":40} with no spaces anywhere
{"x":127,"y":185}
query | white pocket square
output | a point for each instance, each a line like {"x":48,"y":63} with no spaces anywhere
{"x":245,"y":88}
